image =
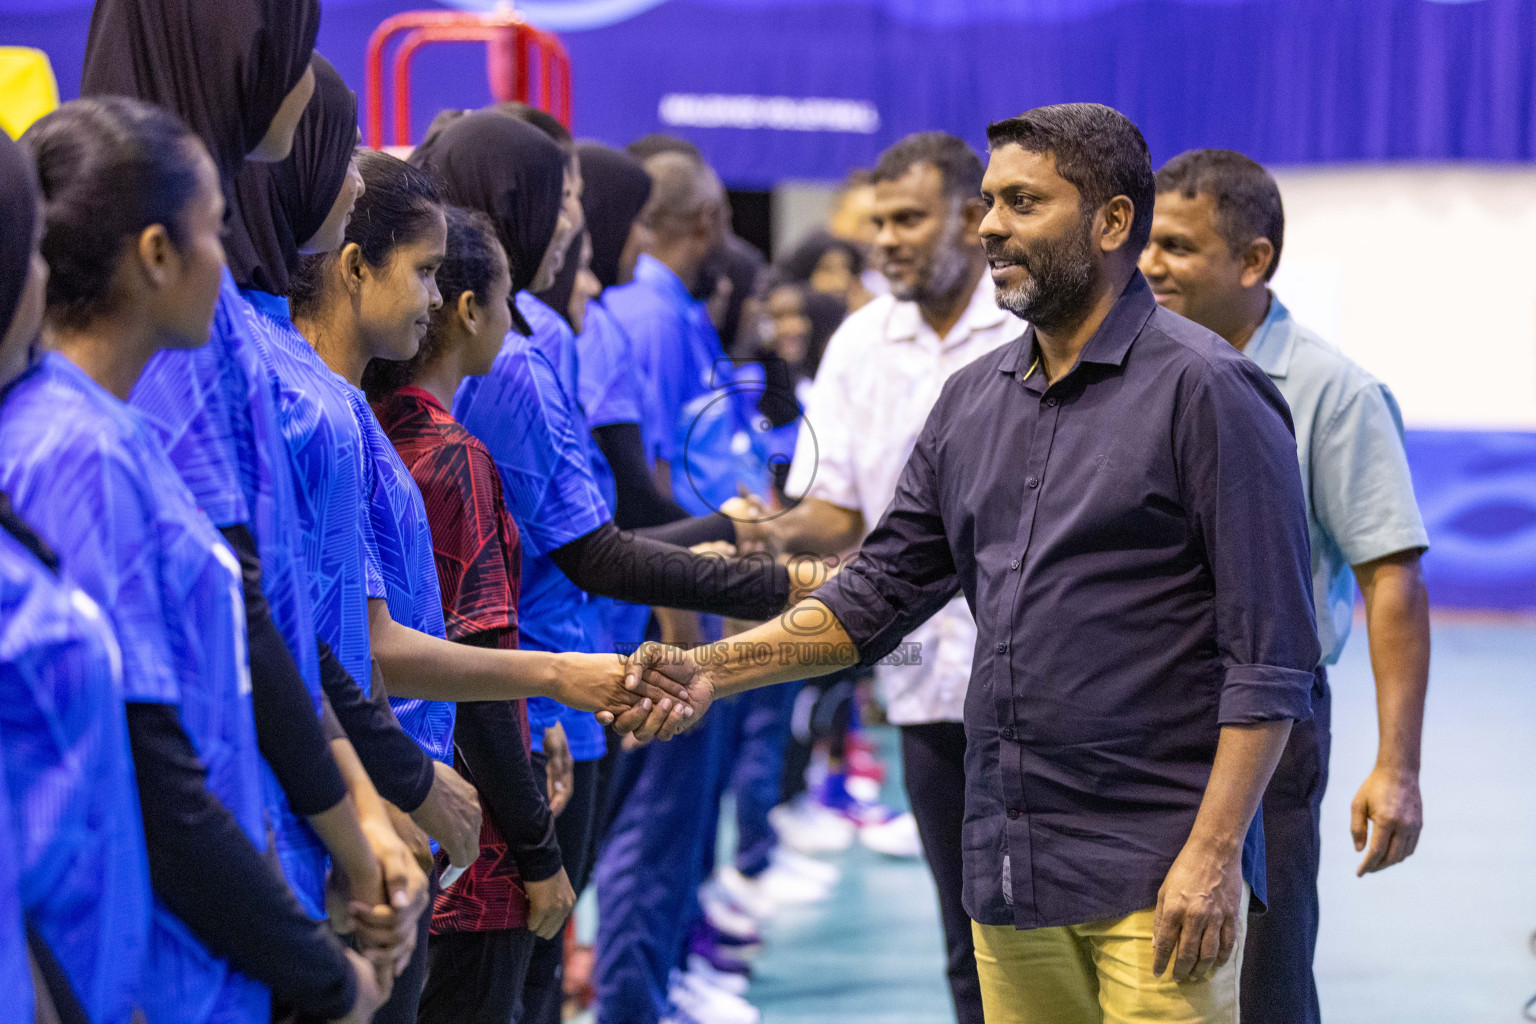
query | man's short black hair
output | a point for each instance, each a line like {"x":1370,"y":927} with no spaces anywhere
{"x":1247,"y":199}
{"x":1097,"y":148}
{"x":647,"y":146}
{"x":959,"y":166}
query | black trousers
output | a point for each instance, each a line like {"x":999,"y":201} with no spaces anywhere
{"x":1277,"y":985}
{"x":477,"y":977}
{"x":933,"y":765}
{"x":406,"y":995}
{"x":544,"y":996}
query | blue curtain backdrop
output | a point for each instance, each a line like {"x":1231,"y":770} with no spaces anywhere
{"x":1287,"y":81}
{"x":811,"y":89}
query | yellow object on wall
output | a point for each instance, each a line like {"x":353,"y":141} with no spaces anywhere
{"x":28,"y":89}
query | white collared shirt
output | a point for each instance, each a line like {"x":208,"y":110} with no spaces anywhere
{"x":877,"y":383}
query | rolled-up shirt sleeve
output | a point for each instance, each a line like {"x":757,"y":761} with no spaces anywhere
{"x":905,"y":571}
{"x":1242,"y":488}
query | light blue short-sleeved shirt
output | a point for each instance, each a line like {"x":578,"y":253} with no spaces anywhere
{"x":1354,"y":470}
{"x":134,"y":540}
{"x":78,"y":838}
{"x":527,"y":413}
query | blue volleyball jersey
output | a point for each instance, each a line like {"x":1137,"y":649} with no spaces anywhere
{"x":83,"y":878}
{"x":15,"y":968}
{"x":90,"y":473}
{"x":612,"y":390}
{"x":706,"y":430}
{"x":527,"y":413}
{"x":399,"y":542}
{"x":326,"y":447}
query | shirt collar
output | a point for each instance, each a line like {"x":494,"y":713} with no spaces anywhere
{"x":274,"y":307}
{"x":982,"y":312}
{"x":660,"y":277}
{"x":1272,"y":344}
{"x":422,"y":396}
{"x":1110,"y":342}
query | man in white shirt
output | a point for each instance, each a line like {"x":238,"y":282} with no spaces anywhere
{"x":877,"y":382}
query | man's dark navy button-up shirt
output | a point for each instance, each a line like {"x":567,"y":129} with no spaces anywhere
{"x":1133,"y":543}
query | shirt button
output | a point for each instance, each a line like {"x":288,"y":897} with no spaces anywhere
{"x":1014,"y":564}
{"x":1033,"y":482}
{"x":1002,"y":648}
{"x":1050,"y":403}
{"x":1013,"y":812}
{"x":1007,"y":734}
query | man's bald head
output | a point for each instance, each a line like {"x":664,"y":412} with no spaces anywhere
{"x":684,"y":193}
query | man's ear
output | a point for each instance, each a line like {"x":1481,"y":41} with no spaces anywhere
{"x":157,"y":255}
{"x":1258,"y":256}
{"x":350,"y":264}
{"x":469,"y":311}
{"x":1116,"y":218}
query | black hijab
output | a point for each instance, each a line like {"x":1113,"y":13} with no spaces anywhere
{"x":616,"y":190}
{"x":278,"y":207}
{"x":18,"y":221}
{"x":511,"y":172}
{"x":223,"y":66}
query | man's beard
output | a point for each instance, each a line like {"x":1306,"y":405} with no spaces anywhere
{"x":1061,"y":278}
{"x":946,"y":267}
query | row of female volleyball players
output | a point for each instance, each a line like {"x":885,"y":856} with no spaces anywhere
{"x":263,"y":713}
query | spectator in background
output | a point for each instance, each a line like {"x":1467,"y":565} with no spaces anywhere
{"x":939,"y":316}
{"x":796,"y":323}
{"x":828,"y":264}
{"x":852,"y":220}
{"x":1215,"y":245}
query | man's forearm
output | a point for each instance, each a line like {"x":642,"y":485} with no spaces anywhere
{"x":1246,"y":756}
{"x":426,"y":667}
{"x":805,"y":641}
{"x":1397,"y":622}
{"x":816,"y":527}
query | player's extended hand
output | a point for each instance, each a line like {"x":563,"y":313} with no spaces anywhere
{"x":1388,"y":799}
{"x":598,"y":683}
{"x":675,"y":670}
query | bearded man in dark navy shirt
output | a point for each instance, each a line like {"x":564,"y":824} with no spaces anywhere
{"x":1117,"y":495}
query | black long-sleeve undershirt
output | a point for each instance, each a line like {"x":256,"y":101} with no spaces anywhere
{"x":401,"y":771}
{"x":287,"y":728}
{"x":488,"y":735}
{"x":207,"y":872}
{"x":629,"y":567}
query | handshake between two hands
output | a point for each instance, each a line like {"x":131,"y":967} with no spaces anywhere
{"x":661,"y":692}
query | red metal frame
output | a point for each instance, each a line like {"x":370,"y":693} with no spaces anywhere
{"x":511,"y":46}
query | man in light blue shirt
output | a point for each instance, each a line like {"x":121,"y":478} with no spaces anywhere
{"x":1216,"y":238}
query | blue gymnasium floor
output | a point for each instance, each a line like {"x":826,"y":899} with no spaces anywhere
{"x":1440,"y":939}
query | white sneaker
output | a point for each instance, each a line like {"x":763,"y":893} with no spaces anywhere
{"x":709,"y":974}
{"x":723,"y":910}
{"x":895,"y":838}
{"x":809,"y":828}
{"x":764,"y":895}
{"x":697,"y":1002}
{"x":808,"y":867}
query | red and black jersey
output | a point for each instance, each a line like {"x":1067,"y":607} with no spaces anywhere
{"x":479,"y":566}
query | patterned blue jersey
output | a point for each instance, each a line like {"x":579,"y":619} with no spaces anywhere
{"x":324,"y":448}
{"x":69,"y":782}
{"x":15,"y":969}
{"x":326,"y":445}
{"x":400,"y":548}
{"x":527,"y":413}
{"x":89,"y":472}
